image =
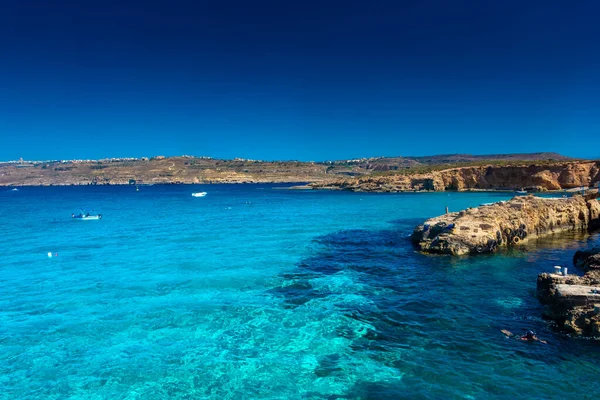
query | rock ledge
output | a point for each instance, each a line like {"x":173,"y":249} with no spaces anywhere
{"x":509,"y":223}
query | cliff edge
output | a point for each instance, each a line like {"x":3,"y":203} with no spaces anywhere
{"x":533,"y":176}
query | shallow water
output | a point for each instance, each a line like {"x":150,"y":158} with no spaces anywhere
{"x":252,"y":292}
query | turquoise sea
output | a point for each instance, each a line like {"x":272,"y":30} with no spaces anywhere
{"x":255,"y":292}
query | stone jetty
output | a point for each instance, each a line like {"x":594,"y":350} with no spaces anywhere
{"x":572,"y":301}
{"x":508,"y":223}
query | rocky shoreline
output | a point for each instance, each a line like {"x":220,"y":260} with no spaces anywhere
{"x":571,"y":301}
{"x":510,"y":223}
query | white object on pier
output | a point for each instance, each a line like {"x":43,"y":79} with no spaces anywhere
{"x":557,"y":269}
{"x":565,"y":270}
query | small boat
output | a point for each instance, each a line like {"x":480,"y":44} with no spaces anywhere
{"x":14,"y":190}
{"x":521,"y":192}
{"x":86,"y":216}
{"x":199,"y":194}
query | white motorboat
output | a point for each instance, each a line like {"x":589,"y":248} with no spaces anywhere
{"x":86,"y":216}
{"x":199,"y":194}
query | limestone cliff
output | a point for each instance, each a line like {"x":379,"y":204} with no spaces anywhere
{"x":510,"y":223}
{"x":539,"y":177}
{"x":544,"y":177}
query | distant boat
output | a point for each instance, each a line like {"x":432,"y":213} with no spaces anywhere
{"x":14,"y":190}
{"x":521,"y":192}
{"x":86,"y":216}
{"x":199,"y":194}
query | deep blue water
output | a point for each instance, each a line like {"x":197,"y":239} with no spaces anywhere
{"x":255,"y":292}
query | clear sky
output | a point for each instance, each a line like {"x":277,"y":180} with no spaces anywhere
{"x":307,"y":80}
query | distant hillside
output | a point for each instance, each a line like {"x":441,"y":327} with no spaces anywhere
{"x":468,"y":158}
{"x":187,"y":169}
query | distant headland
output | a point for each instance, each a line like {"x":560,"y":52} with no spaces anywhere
{"x":536,"y":171}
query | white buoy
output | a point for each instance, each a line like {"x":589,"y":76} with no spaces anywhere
{"x":565,"y":270}
{"x":49,"y":254}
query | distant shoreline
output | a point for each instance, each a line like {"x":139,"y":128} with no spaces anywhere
{"x":388,"y":175}
{"x":155,"y":184}
{"x":304,"y":186}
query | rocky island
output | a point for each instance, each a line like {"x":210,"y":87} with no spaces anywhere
{"x":509,"y":223}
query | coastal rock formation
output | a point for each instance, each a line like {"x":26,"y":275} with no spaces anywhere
{"x":509,"y":223}
{"x":573,"y":302}
{"x":589,"y":260}
{"x":549,"y":177}
{"x":535,"y":177}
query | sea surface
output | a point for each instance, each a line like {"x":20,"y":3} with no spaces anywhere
{"x":257,"y":292}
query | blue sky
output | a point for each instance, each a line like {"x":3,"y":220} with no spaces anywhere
{"x":298,"y":80}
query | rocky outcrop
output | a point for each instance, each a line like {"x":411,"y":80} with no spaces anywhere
{"x":535,"y":177}
{"x":541,"y":177}
{"x":589,"y":260}
{"x":573,"y":302}
{"x":509,"y":223}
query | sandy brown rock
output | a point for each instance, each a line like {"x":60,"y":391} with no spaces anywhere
{"x":510,"y":223}
{"x":535,"y":177}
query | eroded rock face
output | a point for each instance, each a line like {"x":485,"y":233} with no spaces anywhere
{"x":573,"y":302}
{"x":510,"y":223}
{"x":535,"y":177}
{"x":551,"y":177}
